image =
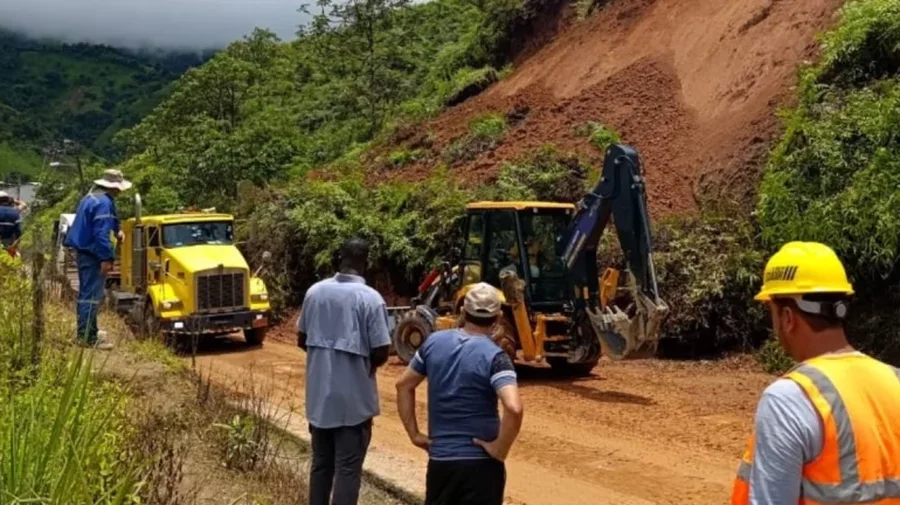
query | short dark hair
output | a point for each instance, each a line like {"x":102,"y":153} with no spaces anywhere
{"x":482,"y":321}
{"x":816,"y":321}
{"x":354,"y":253}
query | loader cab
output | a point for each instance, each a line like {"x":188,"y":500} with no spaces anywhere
{"x":518,"y":236}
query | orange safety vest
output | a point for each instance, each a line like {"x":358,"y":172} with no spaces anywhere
{"x":858,"y":401}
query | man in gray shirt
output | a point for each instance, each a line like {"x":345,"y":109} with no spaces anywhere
{"x":343,"y":327}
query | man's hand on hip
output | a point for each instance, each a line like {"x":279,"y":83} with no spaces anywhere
{"x":120,"y":236}
{"x":106,"y":267}
{"x":494,"y":448}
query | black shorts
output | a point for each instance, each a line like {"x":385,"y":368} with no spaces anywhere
{"x":465,"y":482}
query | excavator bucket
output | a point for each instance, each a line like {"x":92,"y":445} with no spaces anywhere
{"x":624,"y":336}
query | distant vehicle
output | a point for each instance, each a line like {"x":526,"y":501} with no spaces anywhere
{"x":182,"y":275}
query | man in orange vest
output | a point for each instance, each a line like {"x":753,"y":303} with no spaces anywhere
{"x":828,"y":431}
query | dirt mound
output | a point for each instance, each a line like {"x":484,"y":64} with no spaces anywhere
{"x":693,"y":84}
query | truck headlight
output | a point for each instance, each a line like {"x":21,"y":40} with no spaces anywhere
{"x":171,"y":304}
{"x":260,"y":297}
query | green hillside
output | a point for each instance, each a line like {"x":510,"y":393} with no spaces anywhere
{"x":83,"y":92}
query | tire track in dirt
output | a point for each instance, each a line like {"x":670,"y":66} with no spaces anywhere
{"x":634,"y":433}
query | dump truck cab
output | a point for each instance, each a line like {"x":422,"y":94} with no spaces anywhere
{"x":183,"y":275}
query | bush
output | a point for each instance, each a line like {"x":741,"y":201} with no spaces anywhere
{"x":599,"y":135}
{"x":408,"y":226}
{"x":485,"y":134}
{"x":63,"y":432}
{"x":469,"y":82}
{"x":544,"y":174}
{"x":773,"y":359}
{"x":834,"y":175}
{"x":709,"y":269}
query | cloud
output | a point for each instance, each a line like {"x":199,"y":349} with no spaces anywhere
{"x":169,"y":24}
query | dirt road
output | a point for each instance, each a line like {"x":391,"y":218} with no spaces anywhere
{"x":638,"y":433}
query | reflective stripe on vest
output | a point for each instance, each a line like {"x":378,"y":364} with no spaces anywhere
{"x":848,"y":486}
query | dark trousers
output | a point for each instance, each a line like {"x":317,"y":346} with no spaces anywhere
{"x":465,"y":482}
{"x":337,"y":461}
{"x":91,"y":284}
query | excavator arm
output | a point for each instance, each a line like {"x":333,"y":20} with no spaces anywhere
{"x":619,"y":196}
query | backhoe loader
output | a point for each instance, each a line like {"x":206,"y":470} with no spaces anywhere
{"x":542,"y":257}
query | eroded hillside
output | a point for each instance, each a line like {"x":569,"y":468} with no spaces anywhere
{"x":694,"y":84}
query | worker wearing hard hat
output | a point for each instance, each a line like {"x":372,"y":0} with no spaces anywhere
{"x":95,"y":220}
{"x":828,"y":431}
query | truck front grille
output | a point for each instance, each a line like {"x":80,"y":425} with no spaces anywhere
{"x":220,"y":291}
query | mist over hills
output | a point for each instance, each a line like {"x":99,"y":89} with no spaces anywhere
{"x":136,"y":24}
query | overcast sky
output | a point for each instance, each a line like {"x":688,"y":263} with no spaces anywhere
{"x":182,"y":24}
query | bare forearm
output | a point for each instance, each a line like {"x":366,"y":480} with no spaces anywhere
{"x":510,"y":425}
{"x":406,"y":407}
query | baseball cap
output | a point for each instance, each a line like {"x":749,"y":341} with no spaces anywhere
{"x":482,"y":301}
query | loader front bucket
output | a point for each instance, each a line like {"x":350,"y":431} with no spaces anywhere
{"x":629,"y":337}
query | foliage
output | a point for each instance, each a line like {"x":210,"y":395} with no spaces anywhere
{"x":773,"y":359}
{"x":242,"y":446}
{"x":544,"y":174}
{"x":485,"y":134}
{"x":62,"y":431}
{"x":266,"y":111}
{"x":18,"y":163}
{"x":584,"y":8}
{"x":834,"y":175}
{"x":599,"y":135}
{"x":80,"y":91}
{"x":709,"y":269}
{"x":864,"y":46}
{"x":468,"y":82}
{"x":406,"y":224}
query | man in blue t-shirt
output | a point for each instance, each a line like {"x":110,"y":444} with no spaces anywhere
{"x":467,"y":440}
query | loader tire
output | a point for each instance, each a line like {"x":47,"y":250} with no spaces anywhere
{"x":409,"y":335}
{"x":563,"y":368}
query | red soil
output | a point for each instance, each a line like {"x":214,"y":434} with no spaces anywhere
{"x":693,"y":84}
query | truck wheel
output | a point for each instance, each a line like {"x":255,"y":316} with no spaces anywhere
{"x":409,"y":335}
{"x":255,"y":336}
{"x":563,"y":368}
{"x":149,"y":325}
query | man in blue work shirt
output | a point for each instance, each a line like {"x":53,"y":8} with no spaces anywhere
{"x":343,"y":327}
{"x":10,"y":222}
{"x":467,"y":441}
{"x":95,"y":220}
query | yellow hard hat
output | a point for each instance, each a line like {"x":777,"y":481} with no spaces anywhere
{"x":803,"y":267}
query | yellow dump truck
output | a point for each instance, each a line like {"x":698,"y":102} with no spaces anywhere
{"x":182,"y":275}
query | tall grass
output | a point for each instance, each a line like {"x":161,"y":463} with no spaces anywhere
{"x":63,"y":431}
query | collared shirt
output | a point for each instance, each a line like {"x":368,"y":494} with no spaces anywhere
{"x":464,"y":374}
{"x":344,"y":320}
{"x":95,"y":220}
{"x":10,"y":224}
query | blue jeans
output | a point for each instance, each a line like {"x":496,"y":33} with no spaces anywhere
{"x":91,"y":284}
